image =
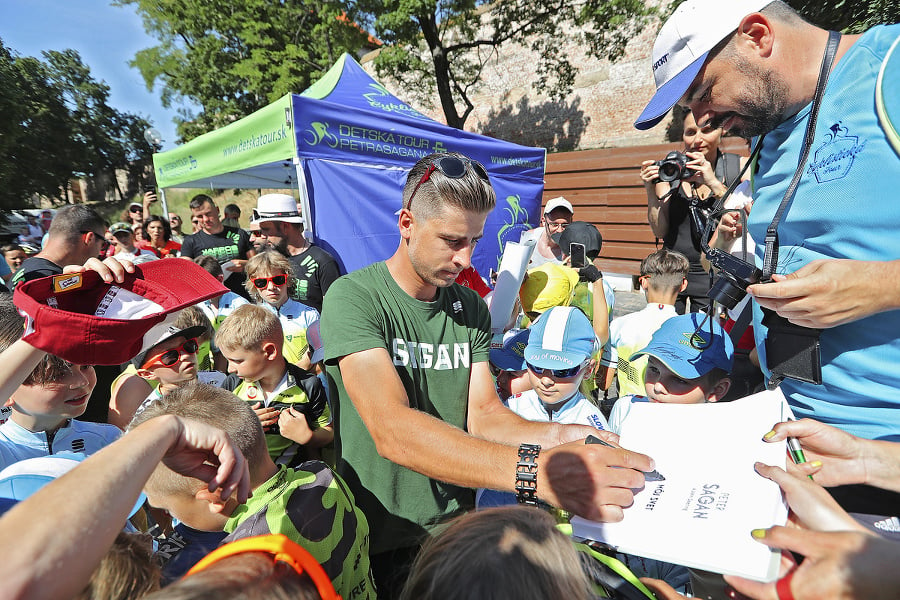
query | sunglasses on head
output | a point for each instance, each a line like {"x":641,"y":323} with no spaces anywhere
{"x":453,"y":167}
{"x":262,"y":282}
{"x":557,"y":373}
{"x":171,"y":356}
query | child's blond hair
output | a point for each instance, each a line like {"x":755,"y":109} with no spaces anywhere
{"x":269,"y":262}
{"x":248,"y":327}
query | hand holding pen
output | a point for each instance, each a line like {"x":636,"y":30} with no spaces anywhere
{"x":653,"y":475}
{"x":833,"y":456}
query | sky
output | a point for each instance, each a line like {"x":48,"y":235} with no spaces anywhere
{"x":107,"y":38}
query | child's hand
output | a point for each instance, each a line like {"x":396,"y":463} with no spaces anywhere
{"x":268,"y":416}
{"x":294,"y":427}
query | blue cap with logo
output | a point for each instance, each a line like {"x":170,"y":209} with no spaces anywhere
{"x":560,"y":339}
{"x":508,"y":349}
{"x":688,"y":350}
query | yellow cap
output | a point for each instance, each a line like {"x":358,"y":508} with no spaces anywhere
{"x":547,"y":286}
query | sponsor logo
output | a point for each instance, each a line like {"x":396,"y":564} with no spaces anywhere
{"x":663,"y":60}
{"x":382,"y":99}
{"x":835,"y":157}
{"x":64,"y":283}
{"x":366,"y":140}
{"x":892,"y":525}
{"x":515,"y":219}
{"x":178,"y":166}
{"x":422,"y":355}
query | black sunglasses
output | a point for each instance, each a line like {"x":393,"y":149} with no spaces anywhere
{"x":557,"y":373}
{"x":453,"y":167}
{"x":262,"y":282}
{"x":171,"y":356}
{"x":136,"y":209}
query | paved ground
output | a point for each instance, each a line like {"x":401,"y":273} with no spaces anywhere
{"x":628,"y":302}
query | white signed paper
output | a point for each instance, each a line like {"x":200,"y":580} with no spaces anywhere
{"x":702,"y":514}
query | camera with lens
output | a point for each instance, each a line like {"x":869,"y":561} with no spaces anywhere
{"x":734,"y":276}
{"x":792,"y":351}
{"x":673,"y":167}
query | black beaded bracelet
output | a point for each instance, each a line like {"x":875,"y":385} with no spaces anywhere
{"x":526,"y":474}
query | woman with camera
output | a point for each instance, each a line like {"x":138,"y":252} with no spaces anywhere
{"x":699,"y":176}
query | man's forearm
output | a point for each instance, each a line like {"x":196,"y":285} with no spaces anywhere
{"x":16,"y":364}
{"x":39,"y":535}
{"x":443,"y":452}
{"x":506,"y":427}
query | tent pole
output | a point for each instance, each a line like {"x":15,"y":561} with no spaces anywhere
{"x":162,"y":201}
{"x":304,"y":200}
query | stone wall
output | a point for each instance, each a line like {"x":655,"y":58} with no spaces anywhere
{"x":598,"y":113}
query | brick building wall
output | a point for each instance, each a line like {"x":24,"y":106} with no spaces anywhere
{"x":598,"y":113}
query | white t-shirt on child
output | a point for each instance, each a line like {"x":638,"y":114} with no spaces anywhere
{"x":576,"y":410}
{"x":621,"y":409}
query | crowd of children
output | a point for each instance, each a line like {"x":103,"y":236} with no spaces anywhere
{"x":229,"y":377}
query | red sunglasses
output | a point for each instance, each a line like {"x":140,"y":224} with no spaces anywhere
{"x":277,"y":280}
{"x":171,"y":356}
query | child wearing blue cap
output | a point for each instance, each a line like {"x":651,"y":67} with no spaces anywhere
{"x":558,"y":356}
{"x":507,"y":362}
{"x":687,"y":364}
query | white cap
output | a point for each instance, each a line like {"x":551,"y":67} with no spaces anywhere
{"x":682,"y":46}
{"x":558,"y":202}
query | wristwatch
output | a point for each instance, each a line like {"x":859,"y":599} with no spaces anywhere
{"x":526,"y":474}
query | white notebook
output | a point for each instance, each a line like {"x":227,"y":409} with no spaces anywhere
{"x":701,"y":515}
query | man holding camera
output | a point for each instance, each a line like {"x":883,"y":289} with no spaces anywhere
{"x":756,"y":68}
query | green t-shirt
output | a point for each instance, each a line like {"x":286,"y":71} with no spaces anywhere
{"x":433,"y":346}
{"x":312,"y":507}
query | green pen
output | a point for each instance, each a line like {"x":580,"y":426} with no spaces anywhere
{"x":651,"y":476}
{"x":796,"y":451}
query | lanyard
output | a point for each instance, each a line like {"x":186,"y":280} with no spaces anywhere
{"x":770,"y":261}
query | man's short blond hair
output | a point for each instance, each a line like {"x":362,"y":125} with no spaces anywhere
{"x":213,"y":406}
{"x":248,"y":327}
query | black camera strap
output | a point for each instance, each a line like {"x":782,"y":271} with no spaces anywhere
{"x":770,"y":260}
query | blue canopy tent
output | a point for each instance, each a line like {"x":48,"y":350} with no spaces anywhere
{"x":346,"y":145}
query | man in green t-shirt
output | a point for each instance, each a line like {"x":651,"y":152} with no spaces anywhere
{"x":418,"y":420}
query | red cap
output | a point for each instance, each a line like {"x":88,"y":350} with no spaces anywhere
{"x":84,"y":320}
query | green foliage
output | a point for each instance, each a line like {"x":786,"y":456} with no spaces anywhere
{"x":846,"y":16}
{"x":443,"y":45}
{"x":233,"y":57}
{"x":57,"y":125}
